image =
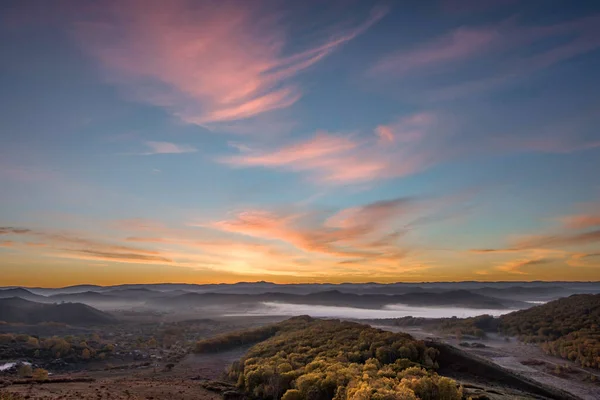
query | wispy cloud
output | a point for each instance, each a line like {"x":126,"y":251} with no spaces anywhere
{"x":365,"y":233}
{"x":73,"y":245}
{"x":393,"y":150}
{"x":376,"y":238}
{"x":588,"y":218}
{"x":520,"y":266}
{"x":570,"y":245}
{"x":581,"y":221}
{"x":456,"y":46}
{"x":554,"y":240}
{"x":584,"y":260}
{"x":559,"y":240}
{"x":468,"y":60}
{"x":206,"y":63}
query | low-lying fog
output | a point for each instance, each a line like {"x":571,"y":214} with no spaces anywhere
{"x":391,"y":311}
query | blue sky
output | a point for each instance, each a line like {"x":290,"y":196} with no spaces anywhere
{"x":350,"y":141}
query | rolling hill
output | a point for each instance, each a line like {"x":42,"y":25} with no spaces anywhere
{"x":567,"y":327}
{"x":17,"y":310}
{"x":22,"y":293}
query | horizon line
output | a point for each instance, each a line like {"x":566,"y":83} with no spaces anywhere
{"x":292,"y":284}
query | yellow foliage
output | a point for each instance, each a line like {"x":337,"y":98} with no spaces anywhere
{"x":40,"y":374}
{"x":311,"y":360}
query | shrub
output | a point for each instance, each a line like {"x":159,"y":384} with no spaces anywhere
{"x":40,"y":374}
{"x":25,"y":370}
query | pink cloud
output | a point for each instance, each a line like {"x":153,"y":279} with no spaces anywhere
{"x":500,"y":46}
{"x":581,"y":221}
{"x":365,"y":232}
{"x":394,"y":150}
{"x":318,"y":147}
{"x":574,"y":231}
{"x":458,"y":45}
{"x":385,"y":134}
{"x":206,"y":63}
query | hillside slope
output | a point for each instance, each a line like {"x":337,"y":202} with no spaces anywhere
{"x":327,"y":359}
{"x":567,"y":327}
{"x":305,"y":358}
{"x":18,"y":310}
{"x":22,"y":293}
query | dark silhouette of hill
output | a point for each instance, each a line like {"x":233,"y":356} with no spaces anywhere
{"x":85,"y":297}
{"x":526,"y":293}
{"x":457,"y":298}
{"x":136,"y":293}
{"x":19,"y":310}
{"x":65,"y":290}
{"x":22,"y":293}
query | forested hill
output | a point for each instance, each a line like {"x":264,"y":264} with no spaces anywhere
{"x":330,"y":359}
{"x":568,"y":327}
{"x":311,"y":359}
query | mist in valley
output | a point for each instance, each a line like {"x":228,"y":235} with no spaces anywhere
{"x":389,"y":311}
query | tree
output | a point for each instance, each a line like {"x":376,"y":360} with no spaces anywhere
{"x":85,"y":354}
{"x":40,"y":374}
{"x":33,"y":342}
{"x":292,"y":394}
{"x":152,"y":343}
{"x":25,"y":370}
{"x":324,"y":360}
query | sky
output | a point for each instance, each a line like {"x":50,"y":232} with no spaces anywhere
{"x":341,"y":141}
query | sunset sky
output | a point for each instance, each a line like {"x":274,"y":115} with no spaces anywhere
{"x":298,"y":141}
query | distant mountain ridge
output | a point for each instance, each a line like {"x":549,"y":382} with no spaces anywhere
{"x":364,"y":288}
{"x":457,"y":298}
{"x":481,"y":295}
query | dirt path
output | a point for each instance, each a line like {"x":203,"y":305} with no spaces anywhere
{"x":208,"y":366}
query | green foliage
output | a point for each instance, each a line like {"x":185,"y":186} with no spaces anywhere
{"x":329,"y":359}
{"x":567,"y":328}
